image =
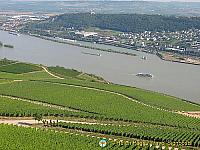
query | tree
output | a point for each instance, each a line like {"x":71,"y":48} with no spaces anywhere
{"x":38,"y":117}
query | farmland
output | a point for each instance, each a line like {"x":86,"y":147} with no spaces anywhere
{"x":103,"y":103}
{"x":22,"y":68}
{"x":30,"y":89}
{"x":41,"y":139}
{"x":15,"y":107}
{"x":161,"y":134}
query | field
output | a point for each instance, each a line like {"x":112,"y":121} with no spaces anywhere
{"x":16,"y":108}
{"x":71,"y":73}
{"x":5,"y":62}
{"x":98,"y":102}
{"x":161,"y":134}
{"x":148,"y":97}
{"x":21,"y":68}
{"x":28,"y":89}
{"x":30,"y":139}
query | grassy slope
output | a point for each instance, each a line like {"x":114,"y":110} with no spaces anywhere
{"x":40,"y":75}
{"x":61,"y":71}
{"x":10,"y":106}
{"x":147,"y":97}
{"x":20,"y":68}
{"x":5,"y":62}
{"x":139,"y":131}
{"x":19,"y":138}
{"x":71,"y":73}
{"x":107,"y":104}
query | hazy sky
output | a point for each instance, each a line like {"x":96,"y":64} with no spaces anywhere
{"x":118,"y":0}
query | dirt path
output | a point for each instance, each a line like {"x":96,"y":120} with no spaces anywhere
{"x":30,"y":122}
{"x":115,"y":93}
{"x":53,"y":75}
{"x":195,"y":114}
{"x":39,"y":103}
{"x":12,"y":81}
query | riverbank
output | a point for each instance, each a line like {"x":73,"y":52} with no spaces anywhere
{"x":172,"y":58}
{"x":163,"y":57}
{"x":83,"y":46}
{"x":119,"y":69}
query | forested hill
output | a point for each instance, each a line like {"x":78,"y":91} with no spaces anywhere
{"x":123,"y":22}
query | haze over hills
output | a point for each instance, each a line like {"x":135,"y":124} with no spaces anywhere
{"x":140,"y":7}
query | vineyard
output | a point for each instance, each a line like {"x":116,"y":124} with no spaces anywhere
{"x":43,"y":139}
{"x":16,"y":108}
{"x":61,"y":71}
{"x":118,"y":111}
{"x":13,"y":137}
{"x":71,"y":73}
{"x":98,"y":102}
{"x":153,"y":133}
{"x":144,"y":96}
{"x":18,"y":68}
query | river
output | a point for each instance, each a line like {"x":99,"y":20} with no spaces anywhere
{"x":180,"y":80}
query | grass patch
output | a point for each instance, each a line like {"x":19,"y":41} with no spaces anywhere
{"x":19,"y":68}
{"x":20,"y":138}
{"x":5,"y":62}
{"x":148,"y":97}
{"x":103,"y":103}
{"x":62,"y":72}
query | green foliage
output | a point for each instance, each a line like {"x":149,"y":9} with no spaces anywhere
{"x":153,"y":133}
{"x":103,"y":103}
{"x":18,"y":68}
{"x":61,"y":71}
{"x":40,"y":75}
{"x":148,"y":97}
{"x":38,"y":117}
{"x":118,"y":22}
{"x":5,"y":62}
{"x":19,"y":138}
{"x":15,"y":107}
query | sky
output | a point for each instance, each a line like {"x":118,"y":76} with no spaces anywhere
{"x":118,"y":0}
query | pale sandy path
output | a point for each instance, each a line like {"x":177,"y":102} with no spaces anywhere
{"x":53,"y":75}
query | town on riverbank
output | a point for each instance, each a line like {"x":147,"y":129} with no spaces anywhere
{"x":181,"y":46}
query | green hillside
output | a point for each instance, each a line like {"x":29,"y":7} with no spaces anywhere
{"x":29,"y":89}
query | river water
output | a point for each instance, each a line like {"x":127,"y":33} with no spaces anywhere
{"x":180,"y":80}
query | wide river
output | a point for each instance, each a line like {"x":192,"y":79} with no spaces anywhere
{"x":180,"y":80}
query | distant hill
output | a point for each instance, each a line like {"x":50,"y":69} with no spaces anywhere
{"x":103,"y":6}
{"x":120,"y":22}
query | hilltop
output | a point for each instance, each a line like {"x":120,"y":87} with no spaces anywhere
{"x":117,"y":22}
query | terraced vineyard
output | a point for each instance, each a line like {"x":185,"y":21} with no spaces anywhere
{"x":144,"y":96}
{"x":18,"y":68}
{"x":99,"y":102}
{"x":29,"y":89}
{"x":16,"y":108}
{"x":159,"y":134}
{"x":49,"y":139}
{"x":30,"y":139}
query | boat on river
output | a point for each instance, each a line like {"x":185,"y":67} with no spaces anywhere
{"x":94,"y":54}
{"x":144,"y":57}
{"x":14,"y":33}
{"x":146,"y":75}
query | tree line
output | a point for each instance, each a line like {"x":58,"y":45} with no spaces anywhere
{"x":119,"y":22}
